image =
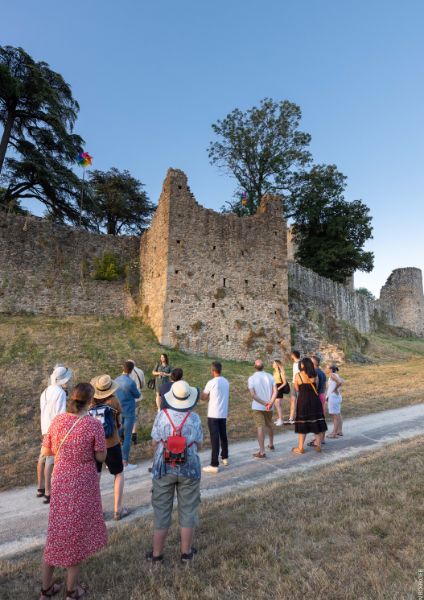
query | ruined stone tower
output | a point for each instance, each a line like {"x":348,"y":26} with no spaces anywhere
{"x":214,"y":283}
{"x":402,"y":300}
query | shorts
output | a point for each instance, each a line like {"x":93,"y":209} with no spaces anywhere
{"x":188,"y":495}
{"x":113,"y":460}
{"x":263,"y":418}
{"x":49,"y":460}
{"x":334,"y":404}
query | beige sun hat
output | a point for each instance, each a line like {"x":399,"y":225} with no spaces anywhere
{"x":104,"y":386}
{"x":60,"y":375}
{"x":181,"y":396}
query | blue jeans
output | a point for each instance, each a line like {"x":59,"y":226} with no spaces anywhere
{"x":127,"y":426}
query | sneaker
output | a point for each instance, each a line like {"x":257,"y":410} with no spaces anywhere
{"x":187,"y":558}
{"x":129,"y":467}
{"x":210,"y":469}
{"x":154,"y":559}
{"x":225,"y":462}
{"x":290,"y":422}
{"x":279,"y":422}
{"x":259,"y":455}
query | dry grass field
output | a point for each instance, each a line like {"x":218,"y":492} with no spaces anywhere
{"x":349,"y":531}
{"x":30,"y":345}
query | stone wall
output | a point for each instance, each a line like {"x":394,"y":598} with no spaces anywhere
{"x":349,"y":306}
{"x":402,"y":300}
{"x":213,"y":283}
{"x":46,"y":268}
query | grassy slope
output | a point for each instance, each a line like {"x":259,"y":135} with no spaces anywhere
{"x":350,"y":531}
{"x":29,"y":346}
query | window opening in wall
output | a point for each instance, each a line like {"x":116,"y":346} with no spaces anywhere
{"x":213,"y":275}
{"x":224,"y":280}
{"x":246,"y":281}
{"x":176,"y":271}
{"x":172,"y":301}
{"x":273,"y":285}
{"x":276,"y":232}
{"x":213,"y":304}
{"x":178,"y":327}
{"x":214,"y":248}
{"x":178,"y":241}
{"x":179,"y":187}
{"x":274,"y":257}
{"x":241,"y":307}
{"x":227,"y":338}
{"x":242,"y":252}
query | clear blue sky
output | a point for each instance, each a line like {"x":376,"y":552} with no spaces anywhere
{"x":151,"y":77}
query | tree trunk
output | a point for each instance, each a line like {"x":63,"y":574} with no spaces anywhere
{"x":6,"y":136}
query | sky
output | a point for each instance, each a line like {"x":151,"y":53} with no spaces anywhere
{"x":151,"y":78}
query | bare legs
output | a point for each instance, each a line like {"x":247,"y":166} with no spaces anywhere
{"x":337,"y":426}
{"x":159,"y":537}
{"x":292,"y":408}
{"x":261,"y":438}
{"x":118,"y":491}
{"x":279,"y":408}
{"x":44,"y":475}
{"x":71,"y":577}
{"x":158,"y":401}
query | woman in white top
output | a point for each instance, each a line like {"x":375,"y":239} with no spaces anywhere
{"x":334,"y":399}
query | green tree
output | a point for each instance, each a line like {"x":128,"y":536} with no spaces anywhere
{"x":365,"y":292}
{"x":37,"y":146}
{"x":117,"y":203}
{"x":330,"y":232}
{"x":261,"y":148}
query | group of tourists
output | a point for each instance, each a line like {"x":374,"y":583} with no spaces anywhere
{"x":97,"y":424}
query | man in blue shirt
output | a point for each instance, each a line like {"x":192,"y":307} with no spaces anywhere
{"x":127,"y":393}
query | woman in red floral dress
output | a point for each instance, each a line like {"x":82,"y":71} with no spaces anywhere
{"x":76,"y":525}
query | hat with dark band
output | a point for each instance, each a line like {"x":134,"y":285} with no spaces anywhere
{"x":181,"y":396}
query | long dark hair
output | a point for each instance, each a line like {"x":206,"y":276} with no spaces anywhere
{"x":307,"y":366}
{"x":81,"y":396}
{"x":165,"y":357}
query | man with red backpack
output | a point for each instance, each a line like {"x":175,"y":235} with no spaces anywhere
{"x":177,"y":436}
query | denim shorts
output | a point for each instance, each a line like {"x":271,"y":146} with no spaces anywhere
{"x":188,"y":495}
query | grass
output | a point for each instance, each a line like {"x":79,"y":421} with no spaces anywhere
{"x":31,"y":345}
{"x":350,"y":531}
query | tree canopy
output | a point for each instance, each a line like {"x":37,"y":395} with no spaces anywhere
{"x":116,"y":203}
{"x":264,"y":150}
{"x":261,"y":148}
{"x":329,"y":232}
{"x":38,"y":146}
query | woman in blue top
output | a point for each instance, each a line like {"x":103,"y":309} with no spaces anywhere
{"x":171,"y":476}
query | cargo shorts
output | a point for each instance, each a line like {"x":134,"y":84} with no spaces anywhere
{"x":188,"y":497}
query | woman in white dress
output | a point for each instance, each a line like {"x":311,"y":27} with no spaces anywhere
{"x":334,"y":399}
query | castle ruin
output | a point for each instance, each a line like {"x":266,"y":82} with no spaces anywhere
{"x":206,"y":282}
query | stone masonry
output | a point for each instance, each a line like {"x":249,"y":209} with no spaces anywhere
{"x":214,"y":283}
{"x":48,"y":269}
{"x":402,"y":300}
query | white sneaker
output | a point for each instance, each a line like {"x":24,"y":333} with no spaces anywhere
{"x":129,"y":467}
{"x":225,"y":462}
{"x":279,"y":422}
{"x":210,"y":469}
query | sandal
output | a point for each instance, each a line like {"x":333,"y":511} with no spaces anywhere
{"x":332,"y":436}
{"x":46,"y":500}
{"x":79,"y":592}
{"x":339,"y":435}
{"x":298,"y":450}
{"x":40,"y":492}
{"x":271,"y":447}
{"x":154,"y":559}
{"x":120,"y":514}
{"x":51,"y":591}
{"x":312,"y":444}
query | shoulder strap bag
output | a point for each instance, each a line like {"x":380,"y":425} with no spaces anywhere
{"x":66,"y":435}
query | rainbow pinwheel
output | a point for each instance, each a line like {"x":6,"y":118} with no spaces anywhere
{"x":84,"y":159}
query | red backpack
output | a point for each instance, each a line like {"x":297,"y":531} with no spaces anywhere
{"x":175,"y":446}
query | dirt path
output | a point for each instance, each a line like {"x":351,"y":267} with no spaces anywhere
{"x":23,"y":518}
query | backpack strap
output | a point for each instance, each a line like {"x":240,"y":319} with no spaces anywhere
{"x":180,"y":428}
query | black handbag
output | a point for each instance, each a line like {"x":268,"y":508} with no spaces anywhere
{"x":151,"y":384}
{"x":286,"y":388}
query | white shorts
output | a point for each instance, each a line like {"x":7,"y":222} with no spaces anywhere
{"x":334,"y":404}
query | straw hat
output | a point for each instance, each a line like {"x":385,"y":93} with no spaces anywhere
{"x":60,"y":375}
{"x":104,"y":386}
{"x":181,"y":396}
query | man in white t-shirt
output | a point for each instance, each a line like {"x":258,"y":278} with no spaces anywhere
{"x":52,"y":403}
{"x":217,"y":392}
{"x":137,"y":375}
{"x":295,"y":356}
{"x":263,"y":391}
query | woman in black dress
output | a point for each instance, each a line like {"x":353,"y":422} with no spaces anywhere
{"x":309,"y":414}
